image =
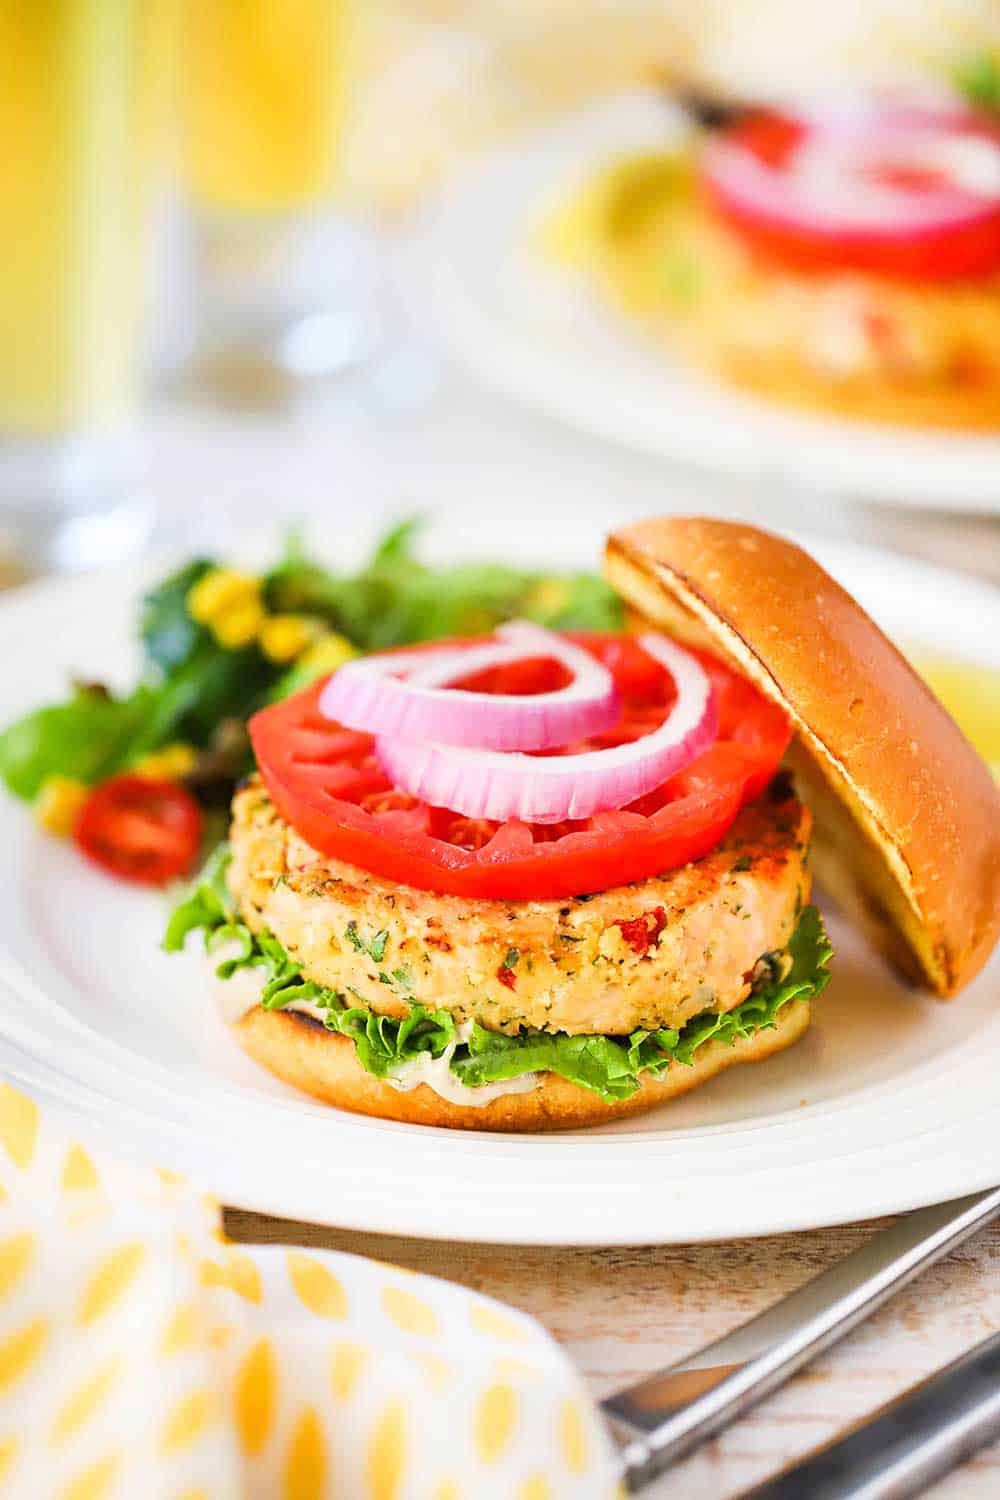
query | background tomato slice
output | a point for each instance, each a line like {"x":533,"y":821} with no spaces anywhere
{"x":141,"y":830}
{"x":936,"y":254}
{"x":326,"y":782}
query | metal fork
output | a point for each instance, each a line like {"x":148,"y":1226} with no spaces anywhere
{"x":665,"y":1416}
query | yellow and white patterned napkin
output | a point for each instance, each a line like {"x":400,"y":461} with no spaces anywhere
{"x":143,"y":1357}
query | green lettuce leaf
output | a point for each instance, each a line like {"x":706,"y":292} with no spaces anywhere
{"x":382,"y":1042}
{"x":396,"y":599}
{"x":808,"y":976}
{"x":978,"y":78}
{"x":206,"y":907}
{"x":197,"y":683}
{"x":609,"y":1065}
{"x":88,"y":737}
{"x":192,"y":685}
{"x":169,"y":635}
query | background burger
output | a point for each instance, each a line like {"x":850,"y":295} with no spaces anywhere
{"x":842,"y":255}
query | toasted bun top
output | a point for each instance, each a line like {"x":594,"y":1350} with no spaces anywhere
{"x":907,"y":814}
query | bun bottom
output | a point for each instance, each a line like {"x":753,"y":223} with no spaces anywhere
{"x":302,"y":1052}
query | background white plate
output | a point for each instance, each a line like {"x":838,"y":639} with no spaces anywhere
{"x":890,"y":1102}
{"x":542,"y":335}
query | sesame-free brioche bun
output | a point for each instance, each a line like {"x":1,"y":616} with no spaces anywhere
{"x":907,"y":815}
{"x":304,"y":1053}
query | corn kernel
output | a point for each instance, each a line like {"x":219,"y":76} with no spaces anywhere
{"x":549,"y":596}
{"x":238,"y":625}
{"x":59,"y":804}
{"x":328,"y":653}
{"x":220,"y":591}
{"x":284,"y":637}
{"x":172,"y":763}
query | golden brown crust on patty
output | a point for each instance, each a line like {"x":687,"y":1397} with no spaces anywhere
{"x":907,"y":814}
{"x":650,"y":954}
{"x":303,"y":1053}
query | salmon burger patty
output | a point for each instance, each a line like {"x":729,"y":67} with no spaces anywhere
{"x":649,"y":955}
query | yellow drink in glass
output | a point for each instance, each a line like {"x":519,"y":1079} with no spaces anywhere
{"x":283,"y":278}
{"x":81,"y":89}
{"x":78,"y":80}
{"x":265,"y":87}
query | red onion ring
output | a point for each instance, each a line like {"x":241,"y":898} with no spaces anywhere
{"x":363,"y":694}
{"x":483,"y":783}
{"x":861,"y":109}
{"x":829,"y":183}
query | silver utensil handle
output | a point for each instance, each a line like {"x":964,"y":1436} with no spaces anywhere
{"x":665,"y":1416}
{"x":908,"y":1444}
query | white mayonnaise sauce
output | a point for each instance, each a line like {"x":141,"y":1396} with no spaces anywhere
{"x":436,"y":1073}
{"x":238,"y":995}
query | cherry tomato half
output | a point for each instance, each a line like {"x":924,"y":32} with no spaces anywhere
{"x":139,"y":829}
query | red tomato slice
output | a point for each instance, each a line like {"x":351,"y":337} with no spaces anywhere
{"x":141,"y":830}
{"x":930,"y":253}
{"x":326,"y":782}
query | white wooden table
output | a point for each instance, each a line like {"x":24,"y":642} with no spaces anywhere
{"x":416,"y":435}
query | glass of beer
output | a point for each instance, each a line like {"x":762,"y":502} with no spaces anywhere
{"x":82,"y":85}
{"x":282,"y":289}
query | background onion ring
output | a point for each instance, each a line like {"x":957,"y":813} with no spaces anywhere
{"x":896,"y":191}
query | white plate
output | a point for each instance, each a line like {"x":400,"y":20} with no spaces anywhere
{"x":543,"y":336}
{"x":890,"y":1102}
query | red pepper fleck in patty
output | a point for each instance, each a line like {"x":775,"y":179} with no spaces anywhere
{"x":643,"y":933}
{"x":507,"y":976}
